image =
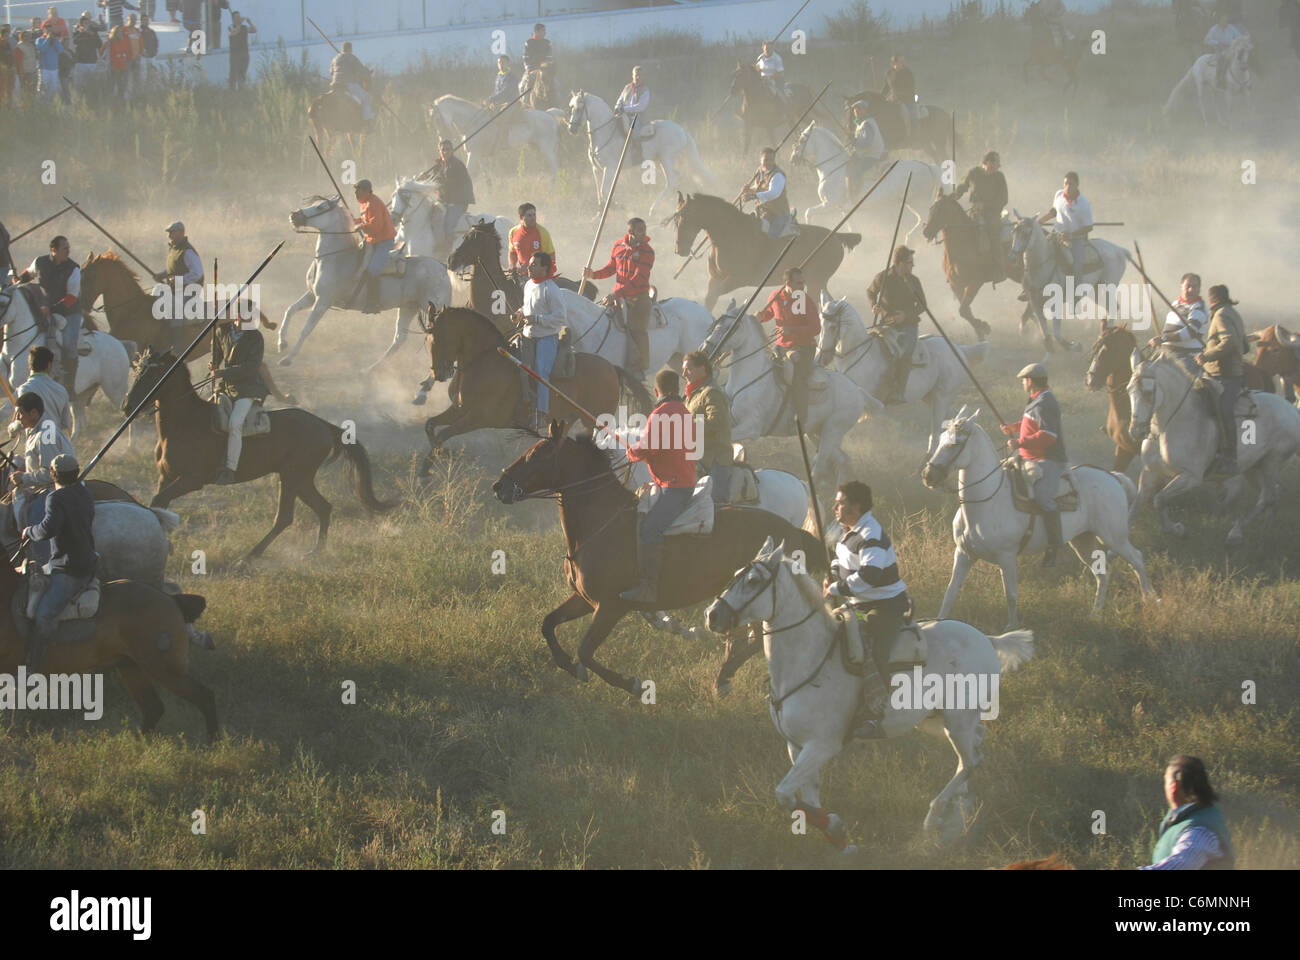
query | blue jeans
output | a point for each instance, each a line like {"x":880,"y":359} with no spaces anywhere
{"x":540,"y":354}
{"x":379,"y":257}
{"x":33,"y":511}
{"x":670,"y":505}
{"x":63,"y":588}
{"x":71,"y":334}
{"x":1046,"y":487}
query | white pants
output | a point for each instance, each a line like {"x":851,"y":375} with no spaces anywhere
{"x":235,"y":441}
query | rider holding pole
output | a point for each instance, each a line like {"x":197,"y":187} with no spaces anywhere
{"x":380,"y":234}
{"x":1039,"y":438}
{"x":630,"y":263}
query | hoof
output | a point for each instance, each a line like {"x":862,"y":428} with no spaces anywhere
{"x":580,"y":671}
{"x":420,"y":399}
{"x":723,"y":689}
{"x":286,"y":361}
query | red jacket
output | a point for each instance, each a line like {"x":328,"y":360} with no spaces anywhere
{"x":630,"y":265}
{"x":793,"y":329}
{"x":663,"y":448}
{"x":375,"y":220}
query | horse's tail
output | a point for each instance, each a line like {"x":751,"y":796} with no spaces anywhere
{"x":1187,"y":80}
{"x":1013,"y":648}
{"x":358,"y":465}
{"x":643,"y":402}
{"x":814,"y":550}
{"x":167,"y":519}
{"x":848,"y":240}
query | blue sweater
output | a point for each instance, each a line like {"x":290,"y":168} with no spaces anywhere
{"x":69,"y":516}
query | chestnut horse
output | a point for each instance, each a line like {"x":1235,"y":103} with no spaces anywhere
{"x":1112,"y":358}
{"x":1276,"y":356}
{"x":760,"y":108}
{"x":963,"y":265}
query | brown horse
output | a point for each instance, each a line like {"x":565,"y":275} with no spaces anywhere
{"x":1044,"y":53}
{"x":189,"y":453}
{"x":139,"y":631}
{"x":930,"y":134}
{"x":334,"y":114}
{"x":1112,"y":365}
{"x":742,"y":252}
{"x":1276,"y":356}
{"x":479,"y":253}
{"x":760,"y":108}
{"x":598,"y":516}
{"x":485,"y":387}
{"x":965,"y":267}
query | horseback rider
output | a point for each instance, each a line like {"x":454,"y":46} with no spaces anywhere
{"x":1183,"y":336}
{"x":1225,"y":344}
{"x":868,"y":148}
{"x":898,"y":301}
{"x":630,"y":263}
{"x":454,"y":189}
{"x":864,"y":574}
{"x":528,"y":238}
{"x":772,"y":69}
{"x":538,"y":56}
{"x":60,"y":278}
{"x":542,"y":316}
{"x":706,"y":399}
{"x":67,"y":523}
{"x":505,"y":85}
{"x":632,"y":102}
{"x":1054,"y":16}
{"x":767,"y":186}
{"x":377,"y":226}
{"x":52,"y":393}
{"x":900,"y":88}
{"x":988,"y":196}
{"x":1039,"y":437}
{"x":184,"y":269}
{"x":236,"y":365}
{"x":42,"y":442}
{"x":672,"y":471}
{"x":797,"y":326}
{"x":1218,"y":41}
{"x":352,"y":77}
{"x":1071,"y":217}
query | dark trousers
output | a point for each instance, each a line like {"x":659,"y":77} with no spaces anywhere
{"x":721,"y":474}
{"x":1228,"y":416}
{"x":902,"y":369}
{"x":638,"y":320}
{"x":802,"y":359}
{"x":884,"y":618}
{"x":238,"y":72}
{"x":672,"y":501}
{"x":989,"y":226}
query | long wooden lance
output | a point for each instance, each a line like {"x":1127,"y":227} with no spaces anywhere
{"x":148,"y":397}
{"x":591,"y":417}
{"x":717,"y":351}
{"x":1142,"y":266}
{"x":790,"y":21}
{"x":330,"y":173}
{"x":845,"y":219}
{"x":477,"y":130}
{"x":701,"y":245}
{"x":1148,"y":279}
{"x":380,"y":99}
{"x":595,"y":241}
{"x":120,"y":245}
{"x":37,"y":226}
{"x":962,"y":360}
{"x":897,"y":223}
{"x":812,"y":492}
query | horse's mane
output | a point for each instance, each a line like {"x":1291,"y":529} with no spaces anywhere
{"x":108,"y":256}
{"x":488,"y":228}
{"x":316,"y":198}
{"x":807,"y":586}
{"x":712,"y":204}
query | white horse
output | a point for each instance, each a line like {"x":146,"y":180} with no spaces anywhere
{"x":664,"y":143}
{"x":685,"y":325}
{"x":987,"y":525}
{"x":821,"y":148}
{"x":1182,"y":437}
{"x":759,"y":405}
{"x":456,"y":118}
{"x":814,"y":698}
{"x":104,"y":362}
{"x":1045,"y":280}
{"x":1202,"y":74}
{"x":936,"y":379}
{"x":420,"y":220}
{"x":336,"y":270}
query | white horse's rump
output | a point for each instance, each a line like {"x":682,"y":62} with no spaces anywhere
{"x":987,"y":525}
{"x":814,"y":698}
{"x":686,"y":324}
{"x":1202,"y":74}
{"x":456,"y":118}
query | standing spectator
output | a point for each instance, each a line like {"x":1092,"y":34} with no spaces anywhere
{"x":26,"y":66}
{"x":58,"y":26}
{"x":172,"y":7}
{"x":119,"y":62}
{"x":6,"y":67}
{"x":114,"y":8}
{"x":1193,"y":834}
{"x":191,"y":16}
{"x":214,"y":21}
{"x":148,"y":38}
{"x":48,"y":49}
{"x":239,"y":31}
{"x":132,"y":33}
{"x":88,"y":46}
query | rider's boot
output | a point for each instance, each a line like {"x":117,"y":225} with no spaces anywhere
{"x":903,"y":369}
{"x":1052,"y":523}
{"x":649,"y":558}
{"x":372,"y":296}
{"x":869,"y":722}
{"x":70,"y":362}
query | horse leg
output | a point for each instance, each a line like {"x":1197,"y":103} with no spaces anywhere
{"x":1176,"y":487}
{"x":187,"y":688}
{"x":1086,"y":545}
{"x":961,"y":564}
{"x":800,"y":788}
{"x":607,"y":614}
{"x":1266,"y":476}
{"x":965,"y":732}
{"x":1134,"y":557}
{"x":283,"y":520}
{"x":1010,"y":586}
{"x":399,"y":334}
{"x":306,"y":300}
{"x":169,"y":491}
{"x":317,"y":311}
{"x":142,"y":692}
{"x":319,"y":506}
{"x":736,"y":655}
{"x":571,"y":609}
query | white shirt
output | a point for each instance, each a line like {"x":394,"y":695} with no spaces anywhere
{"x":868,"y":139}
{"x":1185,"y":327}
{"x":1222,"y":36}
{"x":74,"y":280}
{"x":52,"y":394}
{"x":1194,"y":848}
{"x":634,"y":99}
{"x":768,"y":67}
{"x":544,"y":311}
{"x":774,"y":190}
{"x":193,"y":266}
{"x":1071,"y":217}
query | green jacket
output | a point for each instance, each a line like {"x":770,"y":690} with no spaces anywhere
{"x":1225,"y":344}
{"x":708,"y":401}
{"x":1194,"y":815}
{"x":892,"y":293}
{"x":240,"y":362}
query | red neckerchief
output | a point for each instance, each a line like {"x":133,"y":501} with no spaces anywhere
{"x":691,"y":387}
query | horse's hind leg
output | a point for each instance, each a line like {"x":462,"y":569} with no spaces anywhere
{"x":404,"y":314}
{"x":142,"y":692}
{"x":283,"y":519}
{"x":571,"y":609}
{"x":965,"y":732}
{"x":187,"y":688}
{"x":306,"y":300}
{"x":309,"y":495}
{"x":737,"y":654}
{"x":1087,"y":545}
{"x":607,"y":615}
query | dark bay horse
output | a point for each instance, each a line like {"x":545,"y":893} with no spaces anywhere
{"x":930,"y":134}
{"x":963,"y":264}
{"x":760,"y":108}
{"x":139,"y":631}
{"x":189,"y":453}
{"x":485,"y":386}
{"x":1044,"y":53}
{"x":1112,"y":366}
{"x":491,"y":292}
{"x":598,"y":516}
{"x":742,"y":252}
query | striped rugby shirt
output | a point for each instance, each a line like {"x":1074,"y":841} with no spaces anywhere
{"x":865,"y":569}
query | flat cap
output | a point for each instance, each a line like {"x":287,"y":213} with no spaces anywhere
{"x":65,"y":463}
{"x":176,"y":226}
{"x":1035,"y":370}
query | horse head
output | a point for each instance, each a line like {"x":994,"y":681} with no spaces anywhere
{"x":317,"y":207}
{"x":1022,"y":233}
{"x":1145,"y":394}
{"x":1111,"y":354}
{"x":687,"y":227}
{"x":577,"y":110}
{"x":942,"y":214}
{"x":735,"y":606}
{"x":797,"y":151}
{"x":1275,"y":351}
{"x":555,"y":462}
{"x":950,"y":455}
{"x":147,"y":370}
{"x":444,"y":340}
{"x":480,"y":242}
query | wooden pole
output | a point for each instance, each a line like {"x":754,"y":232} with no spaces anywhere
{"x":962,"y":360}
{"x":558,"y":392}
{"x":812,"y":493}
{"x":845,"y":219}
{"x":595,"y":241}
{"x":329,"y":173}
{"x":717,"y":351}
{"x":120,"y":245}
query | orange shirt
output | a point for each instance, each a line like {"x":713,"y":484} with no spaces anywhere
{"x":524,"y":242}
{"x":375,"y":221}
{"x":119,"y":54}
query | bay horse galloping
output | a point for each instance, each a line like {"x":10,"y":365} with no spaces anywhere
{"x":490,"y":287}
{"x":1276,"y":357}
{"x":1112,"y":365}
{"x":742,"y":252}
{"x":335,"y":114}
{"x":931,"y":133}
{"x":189,"y":452}
{"x":485,"y":387}
{"x":1044,"y":51}
{"x":760,"y":108}
{"x":598,"y":517}
{"x":965,"y":267}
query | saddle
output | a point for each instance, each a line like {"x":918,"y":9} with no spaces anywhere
{"x":257,"y":422}
{"x":618,"y":312}
{"x":889,"y":336}
{"x":744,"y":484}
{"x":76,"y":622}
{"x":1023,"y":474}
{"x":697,"y":518}
{"x":783,"y":372}
{"x":1065,"y":259}
{"x":904,"y":651}
{"x":566,"y":358}
{"x":1210,"y":391}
